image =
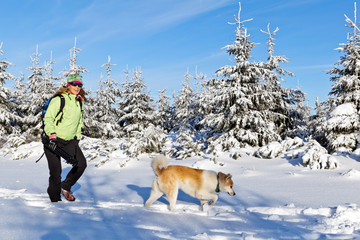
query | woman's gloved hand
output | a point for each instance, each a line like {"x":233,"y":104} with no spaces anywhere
{"x":52,"y":141}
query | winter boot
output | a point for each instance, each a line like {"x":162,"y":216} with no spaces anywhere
{"x":68,"y":195}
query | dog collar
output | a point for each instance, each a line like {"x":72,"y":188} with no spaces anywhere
{"x":217,"y":186}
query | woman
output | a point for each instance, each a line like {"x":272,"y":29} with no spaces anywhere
{"x":63,"y":130}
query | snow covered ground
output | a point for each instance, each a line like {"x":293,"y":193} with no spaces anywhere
{"x":275,"y":199}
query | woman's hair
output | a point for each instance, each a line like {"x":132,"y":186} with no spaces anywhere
{"x":67,"y":90}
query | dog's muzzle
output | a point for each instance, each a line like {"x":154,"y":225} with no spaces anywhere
{"x":232,"y":193}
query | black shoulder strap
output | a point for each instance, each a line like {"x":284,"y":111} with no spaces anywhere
{"x":62,"y":104}
{"x":81,"y":105}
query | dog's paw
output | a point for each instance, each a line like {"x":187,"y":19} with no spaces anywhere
{"x":205,"y":207}
{"x":211,"y":202}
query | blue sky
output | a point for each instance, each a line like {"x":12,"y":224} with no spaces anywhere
{"x":166,"y":38}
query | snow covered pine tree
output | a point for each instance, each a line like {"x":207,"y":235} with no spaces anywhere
{"x":103,"y":113}
{"x":337,"y":123}
{"x":139,"y":119}
{"x":8,"y":116}
{"x":248,"y":107}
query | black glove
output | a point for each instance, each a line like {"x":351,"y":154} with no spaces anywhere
{"x":52,"y":142}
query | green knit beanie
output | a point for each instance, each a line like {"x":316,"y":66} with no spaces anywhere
{"x":74,"y":78}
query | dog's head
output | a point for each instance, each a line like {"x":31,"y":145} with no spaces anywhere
{"x":226,"y":183}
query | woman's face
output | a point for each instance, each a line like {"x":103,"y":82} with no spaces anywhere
{"x":74,"y":89}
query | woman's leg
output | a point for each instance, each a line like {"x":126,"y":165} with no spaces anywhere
{"x":76,"y":172}
{"x":54,"y":164}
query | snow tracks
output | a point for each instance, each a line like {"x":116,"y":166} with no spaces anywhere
{"x":130,"y":219}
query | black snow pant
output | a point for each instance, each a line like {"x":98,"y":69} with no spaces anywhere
{"x":55,"y":169}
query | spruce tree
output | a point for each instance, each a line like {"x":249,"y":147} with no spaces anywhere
{"x":285,"y":108}
{"x":183,"y":105}
{"x":186,"y":121}
{"x":337,"y":123}
{"x":74,"y":68}
{"x":8,"y":117}
{"x":38,"y":91}
{"x":234,"y":116}
{"x":102,"y":114}
{"x":164,"y":111}
{"x":248,"y":106}
{"x":139,"y":118}
{"x":50,"y":84}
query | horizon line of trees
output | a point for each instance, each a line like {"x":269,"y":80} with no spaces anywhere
{"x":244,"y":105}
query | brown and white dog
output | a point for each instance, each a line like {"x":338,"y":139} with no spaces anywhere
{"x":201,"y":184}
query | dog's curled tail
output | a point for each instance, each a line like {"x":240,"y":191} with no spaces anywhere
{"x":158,"y":163}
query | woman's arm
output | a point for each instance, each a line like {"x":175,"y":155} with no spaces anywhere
{"x":50,"y":115}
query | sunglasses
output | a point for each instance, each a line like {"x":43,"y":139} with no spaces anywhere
{"x":76,"y":84}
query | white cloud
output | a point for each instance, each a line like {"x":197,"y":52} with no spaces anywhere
{"x":104,"y":19}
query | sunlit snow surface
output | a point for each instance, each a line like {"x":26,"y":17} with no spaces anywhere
{"x":275,"y":199}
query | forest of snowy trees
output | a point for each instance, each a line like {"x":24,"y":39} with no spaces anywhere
{"x":243,"y":106}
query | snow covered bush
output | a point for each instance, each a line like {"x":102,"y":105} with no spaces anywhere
{"x":95,"y":148}
{"x":15,"y":141}
{"x":342,"y":123}
{"x":150,"y":140}
{"x":185,"y":145}
{"x":272,"y":150}
{"x":312,"y":154}
{"x":316,"y":157}
{"x":20,"y":146}
{"x":338,"y":129}
{"x":276,"y":149}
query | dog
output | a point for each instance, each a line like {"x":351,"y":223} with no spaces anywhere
{"x":202,"y":184}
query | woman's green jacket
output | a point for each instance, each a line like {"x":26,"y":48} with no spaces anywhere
{"x":69,"y":127}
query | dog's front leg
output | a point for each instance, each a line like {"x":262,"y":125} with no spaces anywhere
{"x":203,"y":204}
{"x":213,"y":200}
